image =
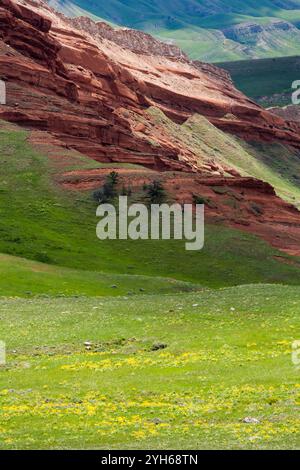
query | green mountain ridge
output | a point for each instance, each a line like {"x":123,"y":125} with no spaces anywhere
{"x":211,"y":31}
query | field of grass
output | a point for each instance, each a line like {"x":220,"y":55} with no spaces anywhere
{"x":177,"y":371}
{"x":24,"y":278}
{"x":171,"y":362}
{"x":265,"y":78}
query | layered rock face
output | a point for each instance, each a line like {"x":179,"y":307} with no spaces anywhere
{"x":76,"y":80}
{"x":135,"y":41}
{"x":106,"y":93}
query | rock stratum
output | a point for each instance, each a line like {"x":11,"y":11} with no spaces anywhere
{"x":66,"y":77}
{"x":88,"y":87}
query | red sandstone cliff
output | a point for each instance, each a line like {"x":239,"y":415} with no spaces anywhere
{"x":90,"y":86}
{"x":76,"y":79}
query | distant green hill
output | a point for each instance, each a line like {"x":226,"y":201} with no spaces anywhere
{"x":212,"y":31}
{"x":204,"y":13}
{"x":267,"y":81}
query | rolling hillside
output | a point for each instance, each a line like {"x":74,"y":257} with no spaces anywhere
{"x":202,"y":13}
{"x":56,"y":226}
{"x":148,"y":362}
{"x":211,"y":31}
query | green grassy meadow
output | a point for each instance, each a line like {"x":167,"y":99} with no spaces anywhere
{"x":183,"y":346}
{"x":175,"y":371}
{"x":23,"y":278}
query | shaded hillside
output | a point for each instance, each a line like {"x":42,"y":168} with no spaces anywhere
{"x":267,"y":81}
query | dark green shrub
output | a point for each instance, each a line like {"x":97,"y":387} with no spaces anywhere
{"x":113,"y":178}
{"x":200,"y":199}
{"x":126,"y":191}
{"x":156,"y":192}
{"x":204,"y":200}
{"x":109,"y":190}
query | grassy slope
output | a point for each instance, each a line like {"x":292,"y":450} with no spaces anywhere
{"x":265,"y":77}
{"x":24,"y":278}
{"x":209,"y":45}
{"x":228,"y":357}
{"x":70,"y":8}
{"x":269,"y":162}
{"x":220,"y":14}
{"x":200,"y":43}
{"x":42,"y":222}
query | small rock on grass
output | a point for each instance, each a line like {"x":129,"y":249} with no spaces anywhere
{"x":158,"y":346}
{"x":156,"y":421}
{"x":249,"y":420}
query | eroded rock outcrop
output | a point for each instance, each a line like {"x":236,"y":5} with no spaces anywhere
{"x":131,"y":39}
{"x":91,"y":88}
{"x":74,"y":78}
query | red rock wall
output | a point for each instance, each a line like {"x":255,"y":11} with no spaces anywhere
{"x":76,"y":86}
